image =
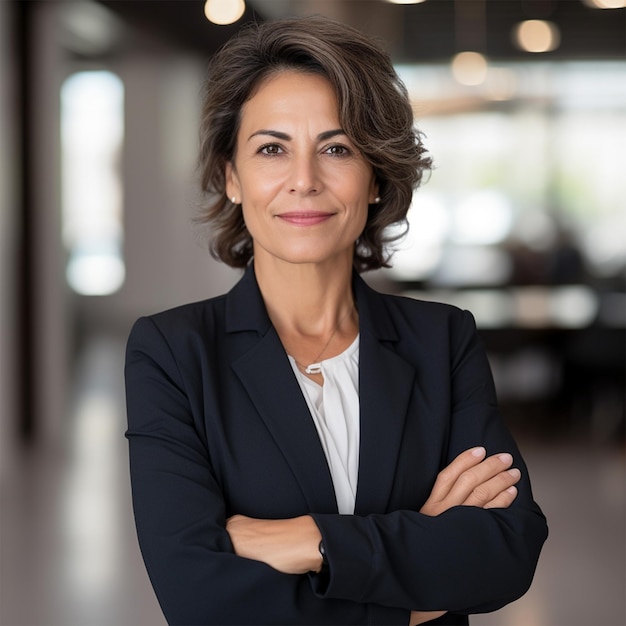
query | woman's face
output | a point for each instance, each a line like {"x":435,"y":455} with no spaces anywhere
{"x":303,"y":186}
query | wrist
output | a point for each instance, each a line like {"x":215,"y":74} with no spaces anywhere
{"x":310,"y":538}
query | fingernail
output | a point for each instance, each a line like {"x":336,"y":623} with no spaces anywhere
{"x":512,"y":490}
{"x":515,"y":472}
{"x":506,"y":458}
{"x":480,"y":451}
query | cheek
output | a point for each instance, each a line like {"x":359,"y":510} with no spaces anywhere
{"x":361,"y":222}
{"x":248,"y":216}
{"x":356,"y":183}
{"x":363,"y":213}
{"x":259,"y":186}
{"x":254,"y":217}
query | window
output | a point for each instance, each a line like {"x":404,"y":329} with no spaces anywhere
{"x":92,"y":134}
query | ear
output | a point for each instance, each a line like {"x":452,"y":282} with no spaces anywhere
{"x":232,"y":186}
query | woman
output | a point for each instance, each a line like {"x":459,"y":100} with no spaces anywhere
{"x":303,"y":449}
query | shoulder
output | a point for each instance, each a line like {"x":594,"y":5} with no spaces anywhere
{"x":176,"y":325}
{"x":427,"y":315}
{"x":192,"y":314}
{"x":416,"y":325}
{"x":432,"y":320}
{"x":425,"y":309}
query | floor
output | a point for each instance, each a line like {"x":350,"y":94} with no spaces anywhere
{"x":69,"y":555}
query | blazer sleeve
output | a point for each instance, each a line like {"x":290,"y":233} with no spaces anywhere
{"x":466,"y":560}
{"x":180,"y":514}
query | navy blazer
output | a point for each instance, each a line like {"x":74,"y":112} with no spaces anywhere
{"x":218,"y":425}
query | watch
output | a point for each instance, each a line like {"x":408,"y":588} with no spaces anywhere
{"x":323,"y":555}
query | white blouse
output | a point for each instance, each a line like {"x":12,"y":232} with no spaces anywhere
{"x":334,"y":407}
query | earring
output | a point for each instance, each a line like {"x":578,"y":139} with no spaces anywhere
{"x":234,"y":200}
{"x":377,"y":200}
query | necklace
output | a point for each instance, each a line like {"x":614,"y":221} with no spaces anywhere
{"x":316,"y":366}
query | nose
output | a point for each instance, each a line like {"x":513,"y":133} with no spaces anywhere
{"x":304,"y":175}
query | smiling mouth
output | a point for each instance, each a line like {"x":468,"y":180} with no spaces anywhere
{"x":305,"y":218}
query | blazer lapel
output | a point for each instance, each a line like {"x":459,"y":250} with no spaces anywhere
{"x":386,"y":382}
{"x":264,"y":370}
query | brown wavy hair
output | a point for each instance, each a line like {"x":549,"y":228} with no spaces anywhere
{"x":374,"y":111}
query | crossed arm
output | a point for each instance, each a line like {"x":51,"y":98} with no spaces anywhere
{"x":291,"y":546}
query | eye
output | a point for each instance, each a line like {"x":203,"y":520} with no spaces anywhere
{"x":270,"y":149}
{"x":337,"y":150}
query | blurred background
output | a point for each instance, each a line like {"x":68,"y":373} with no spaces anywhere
{"x":523,"y":221}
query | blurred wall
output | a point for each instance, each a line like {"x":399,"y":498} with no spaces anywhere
{"x":50,"y":308}
{"x":9,"y":235}
{"x":166,"y":256}
{"x":167,"y":262}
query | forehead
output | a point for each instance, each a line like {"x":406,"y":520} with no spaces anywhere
{"x":292,"y":93}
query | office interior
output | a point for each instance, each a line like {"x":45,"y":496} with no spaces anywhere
{"x":523,"y":222}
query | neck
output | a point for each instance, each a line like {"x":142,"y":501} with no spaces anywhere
{"x":308,"y":299}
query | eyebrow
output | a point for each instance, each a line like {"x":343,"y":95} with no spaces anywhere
{"x":327,"y":134}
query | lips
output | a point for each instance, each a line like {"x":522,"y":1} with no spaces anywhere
{"x":305,"y":218}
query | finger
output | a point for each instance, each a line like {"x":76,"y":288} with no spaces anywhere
{"x":448,"y":476}
{"x":473,"y":477}
{"x":503,"y":500}
{"x":486,"y":491}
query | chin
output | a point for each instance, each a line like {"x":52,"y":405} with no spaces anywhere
{"x":307,"y":254}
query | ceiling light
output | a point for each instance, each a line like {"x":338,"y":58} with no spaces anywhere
{"x":605,"y":4}
{"x":469,"y":68}
{"x":537,"y":36}
{"x":224,"y":12}
{"x":406,"y":1}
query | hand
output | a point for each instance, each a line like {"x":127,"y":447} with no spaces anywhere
{"x":290,"y":546}
{"x":470,"y":480}
{"x":473,"y":480}
{"x":419,"y":617}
